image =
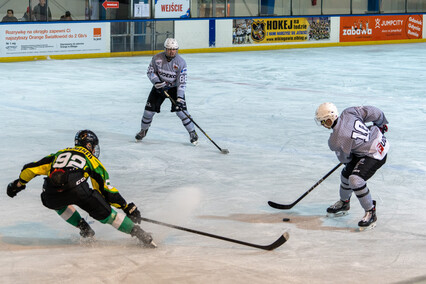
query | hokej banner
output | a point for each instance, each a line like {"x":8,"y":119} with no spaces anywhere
{"x":279,"y":30}
{"x":270,"y":31}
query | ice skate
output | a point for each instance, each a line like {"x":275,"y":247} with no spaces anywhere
{"x":141,"y":134}
{"x":85,"y":230}
{"x":144,"y":237}
{"x":193,"y":137}
{"x":369,"y":219}
{"x":338,"y":209}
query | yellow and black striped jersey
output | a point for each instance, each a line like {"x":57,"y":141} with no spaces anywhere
{"x":76,"y":158}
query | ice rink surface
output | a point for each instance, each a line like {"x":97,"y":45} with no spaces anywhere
{"x":259,"y":105}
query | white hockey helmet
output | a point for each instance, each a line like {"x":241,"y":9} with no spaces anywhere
{"x":326,"y":111}
{"x":171,"y":43}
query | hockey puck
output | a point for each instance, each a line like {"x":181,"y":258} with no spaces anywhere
{"x":286,"y":219}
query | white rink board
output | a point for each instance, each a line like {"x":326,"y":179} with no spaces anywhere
{"x":54,"y":39}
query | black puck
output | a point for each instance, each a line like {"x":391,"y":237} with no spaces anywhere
{"x":286,"y":219}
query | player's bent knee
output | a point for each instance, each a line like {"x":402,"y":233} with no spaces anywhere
{"x":356,"y":181}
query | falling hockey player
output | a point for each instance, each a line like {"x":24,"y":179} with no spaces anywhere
{"x":363,"y":149}
{"x":67,"y":184}
{"x":167,"y":72}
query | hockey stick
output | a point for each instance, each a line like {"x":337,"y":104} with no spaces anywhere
{"x":289,"y":206}
{"x":223,"y":151}
{"x":281,"y":240}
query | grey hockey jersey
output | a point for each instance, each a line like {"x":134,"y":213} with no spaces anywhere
{"x":351,"y":135}
{"x":174,"y":73}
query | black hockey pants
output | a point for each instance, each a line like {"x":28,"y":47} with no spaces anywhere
{"x":156,"y":99}
{"x":81,"y":195}
{"x":364,"y":167}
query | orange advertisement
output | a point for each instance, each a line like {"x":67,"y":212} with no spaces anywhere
{"x":374,"y":28}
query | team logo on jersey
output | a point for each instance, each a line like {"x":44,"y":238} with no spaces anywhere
{"x":258,"y":30}
{"x":158,"y":62}
{"x":175,"y":67}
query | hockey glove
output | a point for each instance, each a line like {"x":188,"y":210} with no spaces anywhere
{"x":180,"y":104}
{"x":161,"y":87}
{"x":133,"y":213}
{"x":383,"y":129}
{"x":13,"y":189}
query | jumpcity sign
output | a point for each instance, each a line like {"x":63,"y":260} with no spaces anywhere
{"x":367,"y":28}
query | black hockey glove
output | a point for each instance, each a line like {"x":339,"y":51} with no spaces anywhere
{"x":13,"y":189}
{"x":180,"y":104}
{"x":133,"y":213}
{"x":383,"y":129}
{"x":161,"y":87}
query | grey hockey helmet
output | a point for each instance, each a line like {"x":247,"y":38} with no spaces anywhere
{"x":326,"y":111}
{"x":88,"y":139}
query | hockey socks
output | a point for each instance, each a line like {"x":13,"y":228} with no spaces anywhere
{"x":70,"y":215}
{"x":119,"y":221}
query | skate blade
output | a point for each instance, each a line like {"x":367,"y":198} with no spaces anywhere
{"x":150,"y":245}
{"x":338,"y":214}
{"x":195,"y":143}
{"x":371,"y":226}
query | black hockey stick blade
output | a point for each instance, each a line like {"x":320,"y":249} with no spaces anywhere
{"x":280,"y":241}
{"x":289,"y":206}
{"x":280,"y":206}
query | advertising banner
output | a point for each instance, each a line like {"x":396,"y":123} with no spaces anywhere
{"x":172,"y":9}
{"x":54,"y":39}
{"x":374,"y":28}
{"x":254,"y":31}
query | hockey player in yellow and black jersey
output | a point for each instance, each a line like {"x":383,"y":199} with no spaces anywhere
{"x":66,"y":184}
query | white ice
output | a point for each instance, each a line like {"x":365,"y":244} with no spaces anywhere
{"x":258,"y":105}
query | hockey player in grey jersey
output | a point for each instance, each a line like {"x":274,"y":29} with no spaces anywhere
{"x":363,"y":149}
{"x":167,"y":72}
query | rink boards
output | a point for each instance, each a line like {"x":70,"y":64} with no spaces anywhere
{"x":66,"y":40}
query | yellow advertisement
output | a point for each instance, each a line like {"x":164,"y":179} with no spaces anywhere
{"x":280,"y":30}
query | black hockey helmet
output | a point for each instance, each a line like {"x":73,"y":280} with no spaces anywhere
{"x":89,"y":140}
